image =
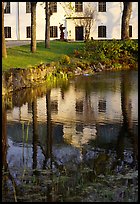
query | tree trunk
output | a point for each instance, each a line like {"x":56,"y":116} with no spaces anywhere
{"x":125,"y":20}
{"x":33,"y":27}
{"x":4,"y":52}
{"x":47,"y":31}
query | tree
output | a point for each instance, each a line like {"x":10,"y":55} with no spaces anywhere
{"x":48,"y":13}
{"x":33,"y":27}
{"x":47,"y":29}
{"x":4,"y":52}
{"x":127,"y":10}
{"x":88,"y":19}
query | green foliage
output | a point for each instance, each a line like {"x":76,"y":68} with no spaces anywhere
{"x":117,"y":66}
{"x":110,"y":52}
{"x":65,"y":59}
{"x":76,"y":53}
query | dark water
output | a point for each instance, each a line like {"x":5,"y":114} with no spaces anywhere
{"x":57,"y":139}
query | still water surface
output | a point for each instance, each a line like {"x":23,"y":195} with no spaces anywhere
{"x":88,"y":124}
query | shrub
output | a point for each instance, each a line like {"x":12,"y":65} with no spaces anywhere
{"x":110,"y":51}
{"x":76,"y":53}
{"x":65,"y":59}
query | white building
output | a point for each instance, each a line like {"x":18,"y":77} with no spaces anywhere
{"x":106,"y":20}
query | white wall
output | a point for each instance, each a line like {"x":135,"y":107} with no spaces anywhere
{"x":111,"y":19}
{"x":10,"y":20}
{"x":134,"y":20}
{"x":40,"y":21}
{"x":25,"y":20}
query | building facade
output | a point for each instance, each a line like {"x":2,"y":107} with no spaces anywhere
{"x":104,"y":18}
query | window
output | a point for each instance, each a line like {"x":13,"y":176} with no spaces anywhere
{"x":28,"y":7}
{"x":7,"y":31}
{"x":53,"y":31}
{"x":130,"y":31}
{"x":7,"y":8}
{"x":102,"y":6}
{"x":101,"y":31}
{"x":28,"y":32}
{"x":53,"y":7}
{"x":78,"y":6}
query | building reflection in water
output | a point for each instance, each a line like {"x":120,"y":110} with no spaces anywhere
{"x":8,"y":180}
{"x":68,"y":120}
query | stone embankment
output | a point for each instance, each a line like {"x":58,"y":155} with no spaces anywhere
{"x":17,"y":78}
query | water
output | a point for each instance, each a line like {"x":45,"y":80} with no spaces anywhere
{"x":57,"y":140}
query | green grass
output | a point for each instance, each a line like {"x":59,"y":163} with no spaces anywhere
{"x":21,"y":56}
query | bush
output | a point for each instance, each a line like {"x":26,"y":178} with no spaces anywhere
{"x":65,"y":59}
{"x":110,"y":51}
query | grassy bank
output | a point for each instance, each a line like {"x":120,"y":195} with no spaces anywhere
{"x":21,"y":57}
{"x":68,"y":56}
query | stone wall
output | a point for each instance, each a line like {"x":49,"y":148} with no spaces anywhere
{"x":17,"y":78}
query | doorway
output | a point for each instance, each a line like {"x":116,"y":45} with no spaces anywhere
{"x":79,"y":33}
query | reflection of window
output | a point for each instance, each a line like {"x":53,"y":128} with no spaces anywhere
{"x":7,"y":8}
{"x":78,"y":6}
{"x":28,"y":7}
{"x":130,"y":31}
{"x":62,"y":94}
{"x":101,"y":31}
{"x":79,"y":106}
{"x":29,"y":107}
{"x":53,"y":31}
{"x":53,"y":7}
{"x":102,"y":6}
{"x":79,"y":128}
{"x":54,"y":106}
{"x":7,"y":31}
{"x":102,"y":106}
{"x":28,"y":32}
